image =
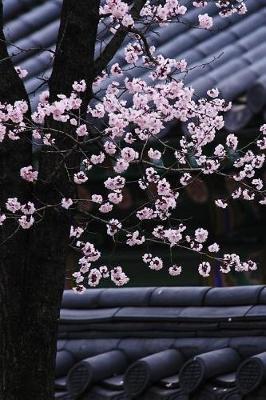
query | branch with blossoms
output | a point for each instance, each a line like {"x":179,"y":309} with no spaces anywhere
{"x":127,"y":122}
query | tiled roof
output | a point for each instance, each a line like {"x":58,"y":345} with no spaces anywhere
{"x":184,"y":343}
{"x":236,"y":47}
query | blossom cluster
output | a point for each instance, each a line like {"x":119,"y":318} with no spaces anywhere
{"x":152,"y":106}
{"x":94,"y":274}
{"x":22,"y":212}
{"x":119,"y":12}
{"x":12,"y":124}
{"x":127,"y":121}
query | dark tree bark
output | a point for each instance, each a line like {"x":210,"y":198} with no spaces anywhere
{"x":49,"y":239}
{"x":13,"y":257}
{"x":32,"y":265}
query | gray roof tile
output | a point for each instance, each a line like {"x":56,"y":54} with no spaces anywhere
{"x":185,"y":296}
{"x":216,"y":329}
{"x":33,"y":20}
{"x":233,"y":296}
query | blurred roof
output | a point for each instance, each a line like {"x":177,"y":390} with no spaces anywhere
{"x":163,"y":343}
{"x":231,"y":57}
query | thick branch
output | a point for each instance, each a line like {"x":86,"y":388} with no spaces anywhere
{"x":74,"y":58}
{"x":116,"y":42}
{"x":75,"y":47}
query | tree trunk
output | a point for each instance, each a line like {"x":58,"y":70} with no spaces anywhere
{"x":33,"y":264}
{"x":13,"y":257}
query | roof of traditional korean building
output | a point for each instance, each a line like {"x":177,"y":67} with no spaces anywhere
{"x":231,"y":57}
{"x":174,"y":343}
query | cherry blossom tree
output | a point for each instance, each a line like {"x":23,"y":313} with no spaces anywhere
{"x":96,"y":102}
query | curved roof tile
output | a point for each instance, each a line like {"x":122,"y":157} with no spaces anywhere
{"x":200,"y":335}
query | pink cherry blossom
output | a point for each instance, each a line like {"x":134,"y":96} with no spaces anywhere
{"x":205,"y":21}
{"x":76,"y":231}
{"x":80,"y":178}
{"x":119,"y":277}
{"x":113,"y":226}
{"x":94,"y":277}
{"x":89,"y":251}
{"x":156,"y":264}
{"x":22,"y":73}
{"x":115,"y":197}
{"x":66,"y":203}
{"x":158,"y":232}
{"x":175,"y":270}
{"x":116,"y":70}
{"x":221,"y":203}
{"x":86,"y":164}
{"x":132,"y":52}
{"x":97,"y":198}
{"x":26,"y":221}
{"x":154,"y":154}
{"x":84,"y":265}
{"x":82,"y":130}
{"x":129,"y":154}
{"x":219,"y":151}
{"x":106,"y":208}
{"x":201,"y":235}
{"x":28,"y":208}
{"x":29,"y":174}
{"x":163,"y":187}
{"x":13,"y":205}
{"x":79,"y":289}
{"x":185,"y":179}
{"x":97,"y":158}
{"x":79,"y":86}
{"x":204,"y":269}
{"x":225,"y":268}
{"x":147,"y":257}
{"x":152,"y":175}
{"x":145,"y":213}
{"x":36,"y":134}
{"x":199,"y":3}
{"x":2,"y":219}
{"x":121,"y":166}
{"x":73,"y":121}
{"x":78,"y":277}
{"x":110,"y":148}
{"x":258,"y":183}
{"x":213,"y":248}
{"x":115,"y":183}
{"x":104,"y":271}
{"x":2,"y":132}
{"x":250,"y":265}
{"x":247,"y":195}
{"x":173,"y":236}
{"x":12,"y":135}
{"x":135,"y":239}
{"x":213,"y":93}
{"x":236,"y":193}
{"x":232,"y":141}
{"x":261,"y":143}
{"x":48,"y":140}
